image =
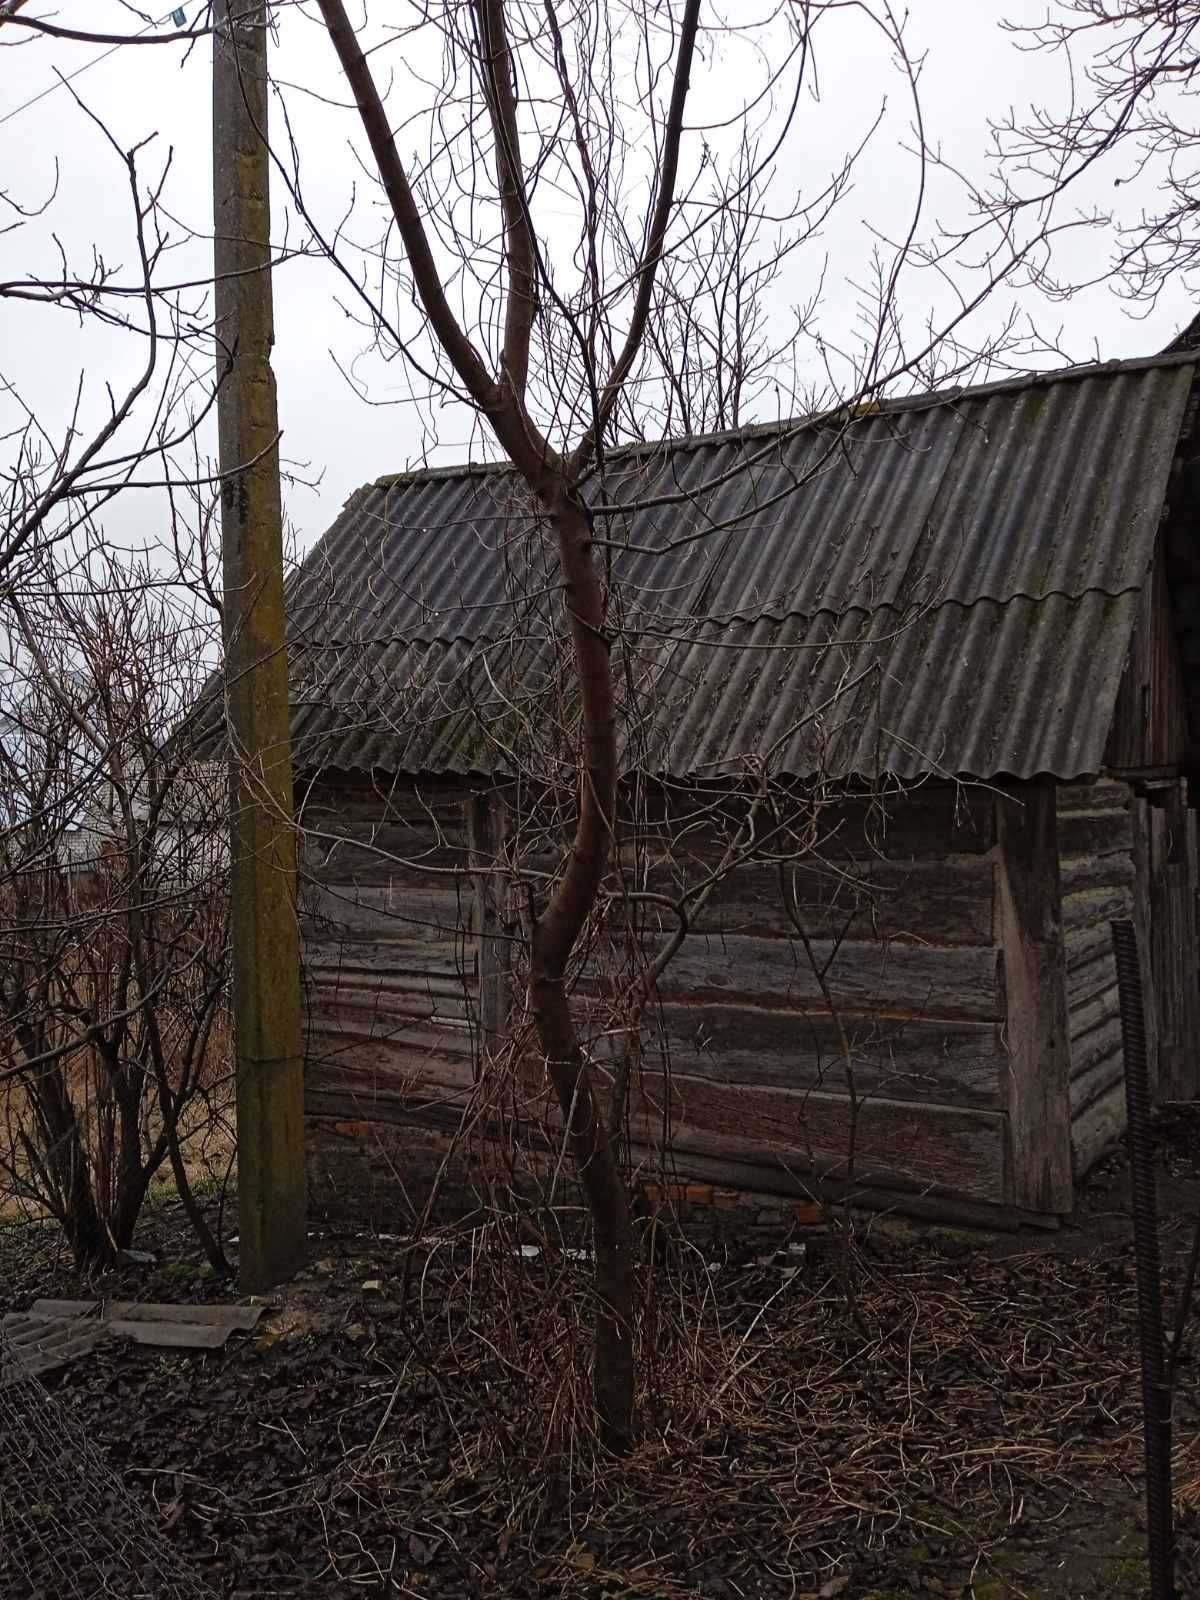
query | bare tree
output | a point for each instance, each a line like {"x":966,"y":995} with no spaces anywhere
{"x":647,"y":308}
{"x":1127,"y":120}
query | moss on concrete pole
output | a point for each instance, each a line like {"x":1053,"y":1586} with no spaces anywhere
{"x":266,"y":949}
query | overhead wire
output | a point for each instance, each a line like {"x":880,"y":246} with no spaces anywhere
{"x":62,"y":81}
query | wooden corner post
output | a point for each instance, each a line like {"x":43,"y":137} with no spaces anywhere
{"x":266,"y":949}
{"x":1029,"y":902}
{"x":1174,"y":969}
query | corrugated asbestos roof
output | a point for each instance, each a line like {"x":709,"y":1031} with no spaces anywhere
{"x":948,"y":584}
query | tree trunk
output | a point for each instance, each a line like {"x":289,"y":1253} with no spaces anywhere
{"x":553,"y":939}
{"x":86,"y":1234}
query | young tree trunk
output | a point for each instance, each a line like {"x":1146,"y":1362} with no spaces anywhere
{"x":501,"y":398}
{"x":553,"y":940}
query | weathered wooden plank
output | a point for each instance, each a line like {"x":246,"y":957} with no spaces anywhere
{"x":243,"y":1318}
{"x":357,"y":985}
{"x":1095,"y":1013}
{"x":899,"y":1058}
{"x":399,"y":1057}
{"x":1030,"y":911}
{"x":1091,"y":965}
{"x":1096,"y":1080}
{"x":1095,"y":908}
{"x":1098,"y":1040}
{"x":880,"y":1141}
{"x":1095,"y":833}
{"x":1082,"y":873}
{"x":1149,"y":722}
{"x":347,"y":911}
{"x":1175,"y":947}
{"x":396,"y":958}
{"x":911,"y":1148}
{"x":796,"y":1181}
{"x":1101,"y":794}
{"x":385,"y":855}
{"x":929,"y":902}
{"x":959,"y":981}
{"x":358,"y":800}
{"x":919,"y":820}
{"x":920,"y":980}
{"x":1098,"y":1127}
{"x":376,"y":1012}
{"x":1143,"y":924}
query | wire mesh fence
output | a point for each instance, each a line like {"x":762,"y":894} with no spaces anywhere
{"x":69,"y":1525}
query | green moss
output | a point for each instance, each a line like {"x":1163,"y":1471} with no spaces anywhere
{"x":1125,"y":1575}
{"x":178,"y":1271}
{"x":919,"y":1556}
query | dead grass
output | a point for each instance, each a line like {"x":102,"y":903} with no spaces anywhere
{"x":207,"y":1129}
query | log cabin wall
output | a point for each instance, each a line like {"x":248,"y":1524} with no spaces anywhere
{"x":390,"y":989}
{"x":1096,"y":826}
{"x":868,"y":1051}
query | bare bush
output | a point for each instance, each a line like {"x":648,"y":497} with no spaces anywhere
{"x":113,"y":957}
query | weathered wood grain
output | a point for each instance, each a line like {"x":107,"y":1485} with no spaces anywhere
{"x":926,"y":902}
{"x":1143,"y":924}
{"x":899,"y":1058}
{"x":1175,"y":960}
{"x":1095,"y":833}
{"x":399,"y":909}
{"x":1096,"y":907}
{"x":1079,"y":874}
{"x":1091,"y":965}
{"x":1095,"y":1080}
{"x":420,"y":959}
{"x":880,"y":1140}
{"x":1030,"y":909}
{"x":1098,"y":1127}
{"x":959,"y":982}
{"x":898,"y":1145}
{"x":1098,"y":1038}
{"x":1101,"y":794}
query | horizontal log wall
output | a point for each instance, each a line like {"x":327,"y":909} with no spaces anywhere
{"x":390,"y":977}
{"x":868,"y":1049}
{"x":1096,"y":842}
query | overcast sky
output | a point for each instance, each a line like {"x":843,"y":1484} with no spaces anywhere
{"x":972,"y":72}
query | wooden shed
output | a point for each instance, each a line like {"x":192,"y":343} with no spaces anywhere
{"x":950,"y":643}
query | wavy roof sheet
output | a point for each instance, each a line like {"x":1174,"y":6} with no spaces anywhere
{"x":947,"y":584}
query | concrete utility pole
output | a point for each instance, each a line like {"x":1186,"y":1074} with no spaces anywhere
{"x":266,"y":950}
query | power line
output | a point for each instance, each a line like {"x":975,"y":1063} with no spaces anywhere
{"x":87,"y":66}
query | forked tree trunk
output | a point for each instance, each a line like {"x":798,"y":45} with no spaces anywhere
{"x":89,"y":1239}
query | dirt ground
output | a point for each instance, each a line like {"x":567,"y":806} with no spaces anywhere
{"x":409,"y":1417}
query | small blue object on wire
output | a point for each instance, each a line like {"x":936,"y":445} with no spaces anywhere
{"x":178,"y":17}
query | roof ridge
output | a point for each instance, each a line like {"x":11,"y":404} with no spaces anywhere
{"x":928,"y":400}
